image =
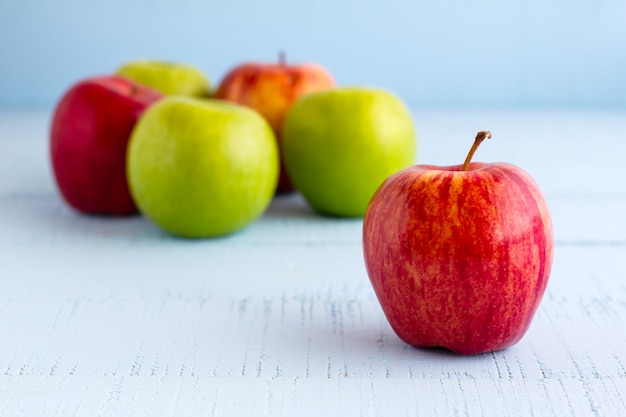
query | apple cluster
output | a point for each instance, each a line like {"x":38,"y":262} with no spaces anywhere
{"x":154,"y":138}
{"x":458,"y":256}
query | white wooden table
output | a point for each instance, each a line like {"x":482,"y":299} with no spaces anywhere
{"x":112,"y":317}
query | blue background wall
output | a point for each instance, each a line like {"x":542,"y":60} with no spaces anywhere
{"x":444,"y":53}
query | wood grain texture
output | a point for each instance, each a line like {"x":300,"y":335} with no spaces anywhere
{"x":112,"y":317}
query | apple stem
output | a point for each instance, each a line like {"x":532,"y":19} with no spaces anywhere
{"x":282,"y":59}
{"x":480,"y":136}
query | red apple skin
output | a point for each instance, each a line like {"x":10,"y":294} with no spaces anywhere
{"x":90,"y":129}
{"x":459,"y":259}
{"x":271,"y":89}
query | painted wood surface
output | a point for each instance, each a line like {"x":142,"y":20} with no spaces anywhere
{"x":112,"y":317}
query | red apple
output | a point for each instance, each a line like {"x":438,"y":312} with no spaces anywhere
{"x":459,"y":256}
{"x":91,"y":126}
{"x":271,"y":89}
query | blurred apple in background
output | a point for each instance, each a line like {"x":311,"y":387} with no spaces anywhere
{"x":340,"y":144}
{"x":167,"y":77}
{"x":271,"y":89}
{"x":459,"y":256}
{"x":91,"y":125}
{"x":202,"y":167}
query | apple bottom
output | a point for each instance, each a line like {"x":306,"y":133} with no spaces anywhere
{"x":470,"y":305}
{"x":466,"y":306}
{"x":489,"y":323}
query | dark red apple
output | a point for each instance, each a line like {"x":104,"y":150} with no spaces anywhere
{"x":459,"y":256}
{"x":90,"y":129}
{"x":271,"y":89}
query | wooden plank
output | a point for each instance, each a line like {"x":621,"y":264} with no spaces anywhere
{"x":190,"y":325}
{"x":44,"y":220}
{"x":206,"y":396}
{"x":113,"y":317}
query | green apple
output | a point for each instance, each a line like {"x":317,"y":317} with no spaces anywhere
{"x":201,"y":167}
{"x":167,"y":77}
{"x":339,"y":145}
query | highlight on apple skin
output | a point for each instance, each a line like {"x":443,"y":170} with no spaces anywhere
{"x":90,"y":129}
{"x":459,"y":258}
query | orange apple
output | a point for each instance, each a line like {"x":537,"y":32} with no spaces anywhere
{"x":271,"y":89}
